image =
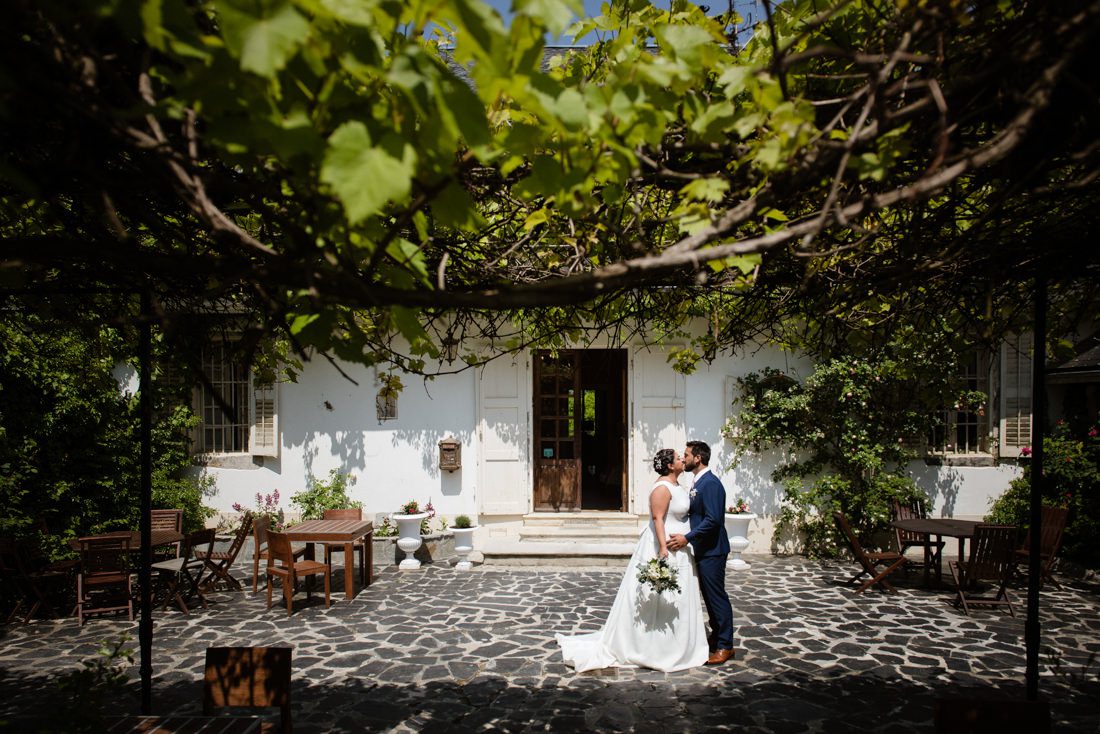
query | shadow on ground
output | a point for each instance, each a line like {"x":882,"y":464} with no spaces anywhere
{"x":825,"y":701}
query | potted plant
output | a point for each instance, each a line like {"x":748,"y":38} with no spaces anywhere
{"x":408,"y":533}
{"x":464,"y":541}
{"x":738,"y":517}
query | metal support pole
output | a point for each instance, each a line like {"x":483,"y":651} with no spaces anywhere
{"x":1032,"y":627}
{"x":145,"y":626}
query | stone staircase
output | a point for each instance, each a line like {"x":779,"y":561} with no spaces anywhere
{"x":586,"y":538}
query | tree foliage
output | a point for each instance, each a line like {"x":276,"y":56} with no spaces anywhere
{"x":345,"y":173}
{"x":69,"y":448}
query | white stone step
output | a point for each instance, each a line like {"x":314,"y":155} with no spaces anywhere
{"x":515,"y":552}
{"x":584,"y":534}
{"x":589,"y":519}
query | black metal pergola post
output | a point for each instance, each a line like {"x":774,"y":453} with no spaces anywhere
{"x":145,"y":625}
{"x":1032,"y":627}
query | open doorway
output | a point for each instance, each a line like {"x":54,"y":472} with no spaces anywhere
{"x":580,"y":430}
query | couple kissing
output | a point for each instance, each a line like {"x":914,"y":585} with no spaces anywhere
{"x":665,"y":630}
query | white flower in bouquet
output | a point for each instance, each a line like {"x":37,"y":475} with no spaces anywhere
{"x":658,"y":575}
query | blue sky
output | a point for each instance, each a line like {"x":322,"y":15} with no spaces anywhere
{"x":754,"y":8}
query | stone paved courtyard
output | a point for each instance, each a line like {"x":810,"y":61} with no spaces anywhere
{"x":441,"y":650}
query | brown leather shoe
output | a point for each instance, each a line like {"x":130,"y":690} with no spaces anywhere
{"x":719,"y":656}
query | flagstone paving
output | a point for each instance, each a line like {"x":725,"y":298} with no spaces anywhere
{"x":439,"y":650}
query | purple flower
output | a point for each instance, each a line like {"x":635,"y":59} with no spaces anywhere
{"x":1025,"y":451}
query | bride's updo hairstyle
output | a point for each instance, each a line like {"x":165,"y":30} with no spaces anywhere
{"x":663,"y":460}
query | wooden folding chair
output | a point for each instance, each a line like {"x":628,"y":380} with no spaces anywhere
{"x":28,"y":585}
{"x":1050,"y":542}
{"x":260,"y":528}
{"x":219,"y":563}
{"x":103,"y":584}
{"x":254,"y":677}
{"x":907,"y":539}
{"x":991,"y":560}
{"x":281,"y":563}
{"x":351,"y":513}
{"x":870,"y":560}
{"x":179,"y":577}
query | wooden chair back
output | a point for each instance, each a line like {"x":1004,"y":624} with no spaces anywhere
{"x":1050,"y":534}
{"x":255,"y":677}
{"x":199,"y":542}
{"x":104,"y":557}
{"x":907,"y":512}
{"x":238,"y":540}
{"x":167,"y":520}
{"x":279,"y":549}
{"x":260,"y":527}
{"x":350,"y":513}
{"x":846,"y":529}
{"x":991,"y":554}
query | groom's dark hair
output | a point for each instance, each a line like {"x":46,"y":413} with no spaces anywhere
{"x":701,"y":451}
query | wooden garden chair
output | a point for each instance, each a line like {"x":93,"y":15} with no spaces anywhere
{"x":260,"y":528}
{"x":281,"y":563}
{"x":1050,"y":542}
{"x":253,"y":677}
{"x":29,"y":586}
{"x":103,"y":584}
{"x":870,"y":560}
{"x":179,"y":577}
{"x":907,"y":539}
{"x":219,"y":563}
{"x":991,"y":561}
{"x":351,"y":513}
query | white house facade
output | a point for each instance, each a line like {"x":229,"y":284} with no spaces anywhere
{"x":554,"y":449}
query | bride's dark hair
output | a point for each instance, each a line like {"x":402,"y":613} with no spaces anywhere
{"x":663,"y":460}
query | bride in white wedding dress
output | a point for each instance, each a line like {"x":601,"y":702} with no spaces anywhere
{"x":660,"y":631}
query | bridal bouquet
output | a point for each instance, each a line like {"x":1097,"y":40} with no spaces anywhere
{"x":658,"y":575}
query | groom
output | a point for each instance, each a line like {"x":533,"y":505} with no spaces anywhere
{"x":711,"y":544}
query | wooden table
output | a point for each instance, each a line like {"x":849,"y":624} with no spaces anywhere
{"x":940,"y":526}
{"x":337,"y":531}
{"x":172,"y":724}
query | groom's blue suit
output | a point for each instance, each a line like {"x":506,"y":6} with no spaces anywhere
{"x":711,"y":545}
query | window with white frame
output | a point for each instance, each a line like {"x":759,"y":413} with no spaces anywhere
{"x":963,"y":427}
{"x":237,"y":415}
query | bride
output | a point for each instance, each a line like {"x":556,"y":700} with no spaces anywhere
{"x":661,"y":631}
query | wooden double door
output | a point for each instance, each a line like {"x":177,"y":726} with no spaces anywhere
{"x":580,"y":411}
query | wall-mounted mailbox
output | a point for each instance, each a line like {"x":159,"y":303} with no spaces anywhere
{"x":450,"y":454}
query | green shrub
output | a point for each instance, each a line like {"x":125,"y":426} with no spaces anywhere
{"x":463,"y":521}
{"x":844,"y":433}
{"x":1072,"y":479}
{"x":321,"y":495}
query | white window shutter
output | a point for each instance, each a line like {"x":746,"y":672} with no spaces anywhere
{"x":1016,"y":356}
{"x":263,"y":436}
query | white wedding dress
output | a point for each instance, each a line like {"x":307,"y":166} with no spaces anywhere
{"x":659,"y":631}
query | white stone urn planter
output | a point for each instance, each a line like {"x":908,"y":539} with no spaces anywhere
{"x":737,"y":528}
{"x":408,"y":538}
{"x":464,"y":545}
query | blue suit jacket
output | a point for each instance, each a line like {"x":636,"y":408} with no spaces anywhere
{"x":707,"y":516}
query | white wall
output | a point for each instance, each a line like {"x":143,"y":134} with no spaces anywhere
{"x":326,"y":422}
